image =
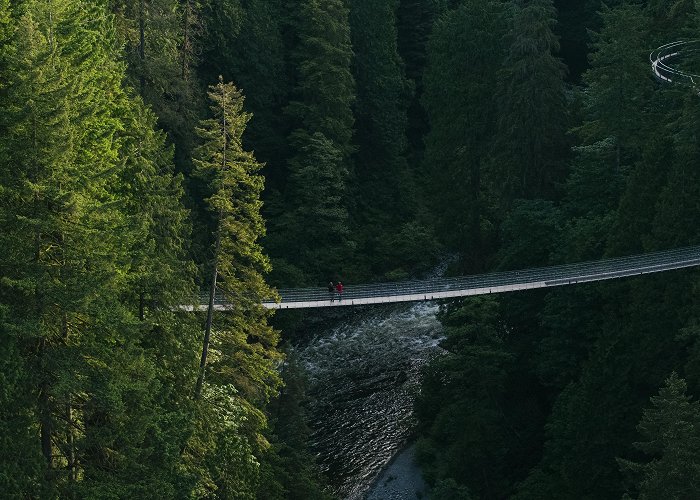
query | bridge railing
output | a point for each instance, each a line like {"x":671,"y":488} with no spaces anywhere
{"x":662,"y":57}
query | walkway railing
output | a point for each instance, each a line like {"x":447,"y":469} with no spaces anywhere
{"x":662,"y":58}
{"x":442,"y":288}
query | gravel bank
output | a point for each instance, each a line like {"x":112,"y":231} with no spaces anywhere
{"x":401,"y":480}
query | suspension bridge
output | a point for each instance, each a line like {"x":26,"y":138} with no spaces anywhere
{"x":480,"y":284}
{"x":661,"y":61}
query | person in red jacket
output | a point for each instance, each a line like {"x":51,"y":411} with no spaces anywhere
{"x":339,"y":289}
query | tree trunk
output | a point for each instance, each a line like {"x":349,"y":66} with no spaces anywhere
{"x":142,"y":316}
{"x":212,"y":289}
{"x":45,"y":423}
{"x":70,"y":438}
{"x":142,"y":45}
{"x":72,"y":464}
{"x":186,"y":40}
{"x":210,"y":314}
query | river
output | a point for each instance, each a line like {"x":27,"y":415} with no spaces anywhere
{"x":364,"y":373}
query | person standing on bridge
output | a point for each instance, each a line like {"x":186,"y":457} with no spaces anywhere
{"x":339,"y":289}
{"x":331,"y":290}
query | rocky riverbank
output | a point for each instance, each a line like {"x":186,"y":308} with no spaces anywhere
{"x":402,"y":479}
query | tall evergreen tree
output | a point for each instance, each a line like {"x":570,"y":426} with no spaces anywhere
{"x":530,"y":149}
{"x":17,"y":419}
{"x":464,"y":55}
{"x":414,"y":23}
{"x":161,"y":40}
{"x":385,"y":191}
{"x":677,"y":206}
{"x":160,"y":279}
{"x":245,"y":44}
{"x":322,"y":120}
{"x":672,"y":432}
{"x":466,"y":436}
{"x":672,"y":17}
{"x":291,"y":472}
{"x":618,"y":84}
{"x":85,"y":205}
{"x":246,"y":344}
{"x":242,"y":374}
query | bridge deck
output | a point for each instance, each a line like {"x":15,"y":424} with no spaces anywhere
{"x":443,"y":288}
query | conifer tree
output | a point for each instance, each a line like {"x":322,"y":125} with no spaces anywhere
{"x":385,"y":193}
{"x":321,"y":121}
{"x":632,"y":230}
{"x":672,"y":432}
{"x":464,"y":55}
{"x":314,"y":168}
{"x":325,"y":89}
{"x":415,"y":19}
{"x":382,"y":100}
{"x":291,"y":472}
{"x":246,"y":352}
{"x":618,"y":84}
{"x":161,"y":39}
{"x":243,"y":372}
{"x":463,"y":418}
{"x":677,"y":207}
{"x":529,"y":152}
{"x":160,"y":279}
{"x":73,"y":211}
{"x":672,"y":17}
{"x":54,"y":199}
{"x":5,"y":20}
{"x":244,"y":43}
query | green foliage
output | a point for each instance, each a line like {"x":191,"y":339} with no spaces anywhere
{"x":243,"y":353}
{"x":245,"y":344}
{"x":244,"y":43}
{"x":384,"y":179}
{"x":530,"y":148}
{"x":94,"y":229}
{"x":21,"y":463}
{"x":161,"y":44}
{"x":618,"y":83}
{"x":221,"y":450}
{"x":5,"y":21}
{"x":638,"y":203}
{"x":321,"y":120}
{"x":675,"y":16}
{"x":409,"y":248}
{"x":677,"y":206}
{"x":448,"y":489}
{"x":388,"y":202}
{"x":672,"y":432}
{"x":464,"y":55}
{"x":414,"y":23}
{"x":529,"y":234}
{"x":292,"y":474}
{"x":365,"y":112}
{"x":324,"y":89}
{"x":317,"y":221}
{"x":587,"y":357}
{"x":461,"y":402}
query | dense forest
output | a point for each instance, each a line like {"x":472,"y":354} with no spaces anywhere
{"x":152,"y":150}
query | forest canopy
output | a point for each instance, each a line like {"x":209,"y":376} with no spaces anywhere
{"x":153,"y":150}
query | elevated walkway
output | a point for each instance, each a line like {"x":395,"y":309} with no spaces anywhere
{"x":662,"y":58}
{"x":509,"y":281}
